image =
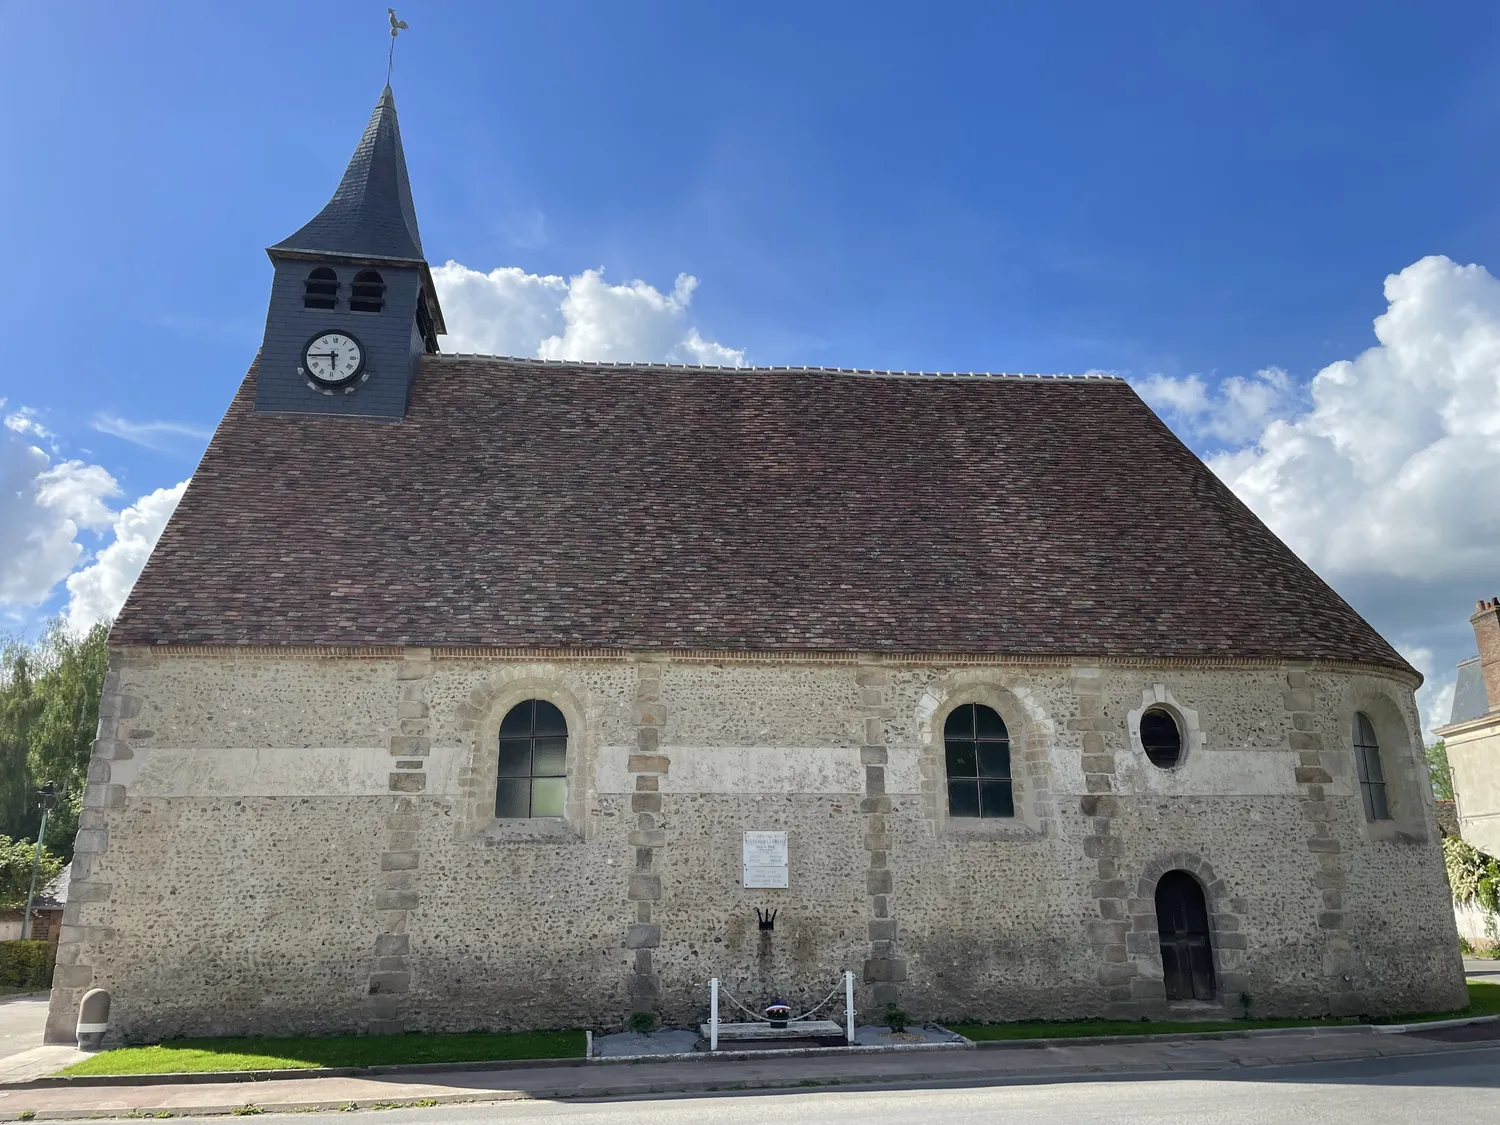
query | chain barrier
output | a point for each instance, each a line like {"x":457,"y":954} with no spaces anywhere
{"x":760,"y":1016}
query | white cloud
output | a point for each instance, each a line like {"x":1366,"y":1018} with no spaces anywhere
{"x":1392,"y":471}
{"x":1383,"y":477}
{"x":153,"y":435}
{"x":1235,"y":412}
{"x":510,"y":312}
{"x":42,"y":508}
{"x":99,"y":590}
{"x":24,"y":421}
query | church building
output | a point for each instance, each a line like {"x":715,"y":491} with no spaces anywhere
{"x":478,"y":692}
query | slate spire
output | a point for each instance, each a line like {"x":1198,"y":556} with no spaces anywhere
{"x":371,"y":215}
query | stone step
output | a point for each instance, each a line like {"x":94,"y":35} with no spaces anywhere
{"x":761,"y":1032}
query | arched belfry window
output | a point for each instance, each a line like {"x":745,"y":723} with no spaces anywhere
{"x":533,"y":761}
{"x":367,"y":293}
{"x":977,"y":748}
{"x":321,"y":290}
{"x":1367,"y":766}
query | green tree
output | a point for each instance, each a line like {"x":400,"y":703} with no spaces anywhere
{"x":1439,"y":771}
{"x":49,"y":714}
{"x":15,"y":871}
{"x":18,"y":709}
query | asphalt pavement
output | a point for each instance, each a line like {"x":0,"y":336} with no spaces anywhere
{"x":22,"y":1020}
{"x":1461,"y":1086}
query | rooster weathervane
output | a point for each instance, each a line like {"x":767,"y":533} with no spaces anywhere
{"x":397,"y":26}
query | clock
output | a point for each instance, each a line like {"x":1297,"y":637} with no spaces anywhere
{"x":333,"y":359}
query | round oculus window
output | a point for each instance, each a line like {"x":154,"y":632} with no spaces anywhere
{"x":1161,"y":738}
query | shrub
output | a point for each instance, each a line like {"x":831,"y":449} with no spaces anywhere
{"x":1473,"y":876}
{"x":642,"y":1023}
{"x":895,"y":1018}
{"x":27,"y":964}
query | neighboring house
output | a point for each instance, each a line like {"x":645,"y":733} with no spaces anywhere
{"x":463,"y":691}
{"x":46,"y":912}
{"x":1472,"y":735}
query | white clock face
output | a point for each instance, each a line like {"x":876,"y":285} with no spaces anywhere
{"x":333,"y":357}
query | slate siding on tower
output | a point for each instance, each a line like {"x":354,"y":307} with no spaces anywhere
{"x":523,"y":503}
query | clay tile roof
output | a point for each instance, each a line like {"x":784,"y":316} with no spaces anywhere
{"x":524,"y":503}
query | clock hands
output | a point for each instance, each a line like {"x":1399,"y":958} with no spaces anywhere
{"x":340,"y":361}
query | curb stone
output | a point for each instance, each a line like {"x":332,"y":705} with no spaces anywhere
{"x":1248,"y":1033}
{"x":1465,"y":1021}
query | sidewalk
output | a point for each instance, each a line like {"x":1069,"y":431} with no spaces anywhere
{"x":982,"y":1066}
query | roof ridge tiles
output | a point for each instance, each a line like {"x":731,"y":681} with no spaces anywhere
{"x":748,"y":369}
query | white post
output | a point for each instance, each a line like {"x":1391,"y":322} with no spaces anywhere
{"x":713,"y":1017}
{"x":849,"y":1003}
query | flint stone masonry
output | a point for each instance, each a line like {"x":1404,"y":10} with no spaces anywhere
{"x":243,"y":865}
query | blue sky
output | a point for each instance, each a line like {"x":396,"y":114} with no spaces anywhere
{"x":1185,"y":194}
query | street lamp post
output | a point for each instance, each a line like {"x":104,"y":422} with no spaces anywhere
{"x":48,"y":793}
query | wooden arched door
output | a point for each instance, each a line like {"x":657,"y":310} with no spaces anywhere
{"x":1187,"y":955}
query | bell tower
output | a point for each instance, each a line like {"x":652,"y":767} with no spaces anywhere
{"x":353,"y":306}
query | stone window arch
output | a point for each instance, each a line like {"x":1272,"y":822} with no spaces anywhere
{"x":1147,"y":731}
{"x":480,"y":719}
{"x":1028,"y":730}
{"x":1382,"y":758}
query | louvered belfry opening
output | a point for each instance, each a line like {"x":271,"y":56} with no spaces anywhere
{"x":1187,"y":957}
{"x":367,"y":293}
{"x":321,"y":290}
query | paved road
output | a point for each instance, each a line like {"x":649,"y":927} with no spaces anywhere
{"x":22,"y":1020}
{"x":1481,"y":968}
{"x":1462,"y":1086}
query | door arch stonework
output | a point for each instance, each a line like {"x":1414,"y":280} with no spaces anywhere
{"x":1226,"y":941}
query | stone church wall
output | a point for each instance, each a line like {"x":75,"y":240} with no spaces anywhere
{"x":306,"y":842}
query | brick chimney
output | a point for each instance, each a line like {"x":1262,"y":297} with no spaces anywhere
{"x":1486,"y":622}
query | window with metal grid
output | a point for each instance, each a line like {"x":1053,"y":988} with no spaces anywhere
{"x":977,"y":747}
{"x":533,"y":761}
{"x":1367,"y":765}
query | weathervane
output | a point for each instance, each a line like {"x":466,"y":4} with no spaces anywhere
{"x":397,"y":26}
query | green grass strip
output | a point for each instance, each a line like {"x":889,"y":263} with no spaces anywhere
{"x":1484,"y":1000}
{"x":194,"y":1056}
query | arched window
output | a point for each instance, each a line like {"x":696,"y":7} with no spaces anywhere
{"x":367,"y":294}
{"x":1187,"y":956}
{"x":1161,"y":738}
{"x":533,"y":761}
{"x":977,"y":746}
{"x":1367,"y":765}
{"x":321,"y":290}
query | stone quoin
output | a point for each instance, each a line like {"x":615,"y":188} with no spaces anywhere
{"x":455,"y":682}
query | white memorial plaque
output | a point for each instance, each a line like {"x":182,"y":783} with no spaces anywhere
{"x":765,"y":862}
